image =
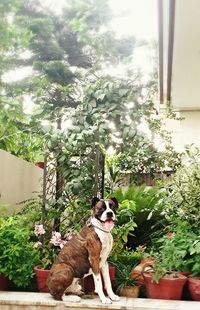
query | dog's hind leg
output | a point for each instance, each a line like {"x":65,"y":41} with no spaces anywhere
{"x":75,"y":288}
{"x":59,"y":279}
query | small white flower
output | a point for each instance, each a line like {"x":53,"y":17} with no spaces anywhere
{"x":39,"y":230}
{"x":37,"y":244}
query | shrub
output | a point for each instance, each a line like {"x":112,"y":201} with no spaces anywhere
{"x":146,"y":208}
{"x":183,"y":194}
{"x":17,"y":254}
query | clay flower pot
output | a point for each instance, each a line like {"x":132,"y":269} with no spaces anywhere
{"x":194,"y":288}
{"x":4,"y":283}
{"x":40,"y":164}
{"x":129,"y":291}
{"x":137,"y":272}
{"x":168,"y":287}
{"x":41,"y":278}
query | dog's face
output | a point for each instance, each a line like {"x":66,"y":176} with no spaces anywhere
{"x":104,"y":211}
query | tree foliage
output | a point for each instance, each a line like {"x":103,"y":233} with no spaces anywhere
{"x":73,"y":91}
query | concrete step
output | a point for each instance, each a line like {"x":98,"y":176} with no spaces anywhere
{"x":43,"y":301}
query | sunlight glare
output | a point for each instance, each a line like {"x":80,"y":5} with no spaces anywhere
{"x":110,"y":151}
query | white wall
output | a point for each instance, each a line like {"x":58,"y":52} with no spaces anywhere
{"x":19,"y":180}
{"x":186,"y":56}
{"x":186,"y":131}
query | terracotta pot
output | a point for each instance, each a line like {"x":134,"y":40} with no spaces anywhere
{"x":4,"y":283}
{"x":166,"y":288}
{"x":112,"y":273}
{"x":40,"y":164}
{"x":186,"y":294}
{"x":88,"y":282}
{"x":129,"y":291}
{"x":41,"y":278}
{"x":194,"y":288}
{"x":137,"y":271}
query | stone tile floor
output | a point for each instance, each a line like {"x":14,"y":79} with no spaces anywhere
{"x":43,"y":301}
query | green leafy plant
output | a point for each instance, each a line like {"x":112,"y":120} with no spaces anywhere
{"x":75,"y":215}
{"x":17,"y":254}
{"x":146,"y":206}
{"x":177,"y":251}
{"x":125,"y":225}
{"x":183,"y":195}
{"x":124,"y":262}
{"x":123,"y":276}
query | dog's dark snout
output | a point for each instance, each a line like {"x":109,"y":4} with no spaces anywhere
{"x":109,"y":214}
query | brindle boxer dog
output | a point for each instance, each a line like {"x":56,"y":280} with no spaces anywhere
{"x":86,"y":253}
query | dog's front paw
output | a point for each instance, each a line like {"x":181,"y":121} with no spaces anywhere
{"x":106,"y":301}
{"x":114,"y":297}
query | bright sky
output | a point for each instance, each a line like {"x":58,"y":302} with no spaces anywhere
{"x":138,"y":17}
{"x":131,"y":17}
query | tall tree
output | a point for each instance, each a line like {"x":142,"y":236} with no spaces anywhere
{"x":70,"y":56}
{"x":13,"y":121}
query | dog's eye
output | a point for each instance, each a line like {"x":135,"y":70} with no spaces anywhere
{"x":112,"y":206}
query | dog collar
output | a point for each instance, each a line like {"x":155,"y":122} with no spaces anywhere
{"x":89,"y":223}
{"x":106,"y":231}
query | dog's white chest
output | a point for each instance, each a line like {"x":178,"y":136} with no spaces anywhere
{"x":107,"y":243}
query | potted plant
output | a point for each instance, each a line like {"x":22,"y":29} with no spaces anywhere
{"x":48,"y":248}
{"x":182,"y":204}
{"x":163,"y":284}
{"x":126,"y":286}
{"x":177,"y":248}
{"x":124,"y":261}
{"x":177,"y":251}
{"x":46,"y":241}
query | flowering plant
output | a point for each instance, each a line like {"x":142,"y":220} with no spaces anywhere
{"x":177,"y":251}
{"x":48,"y":246}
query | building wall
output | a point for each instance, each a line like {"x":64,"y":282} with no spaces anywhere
{"x":186,"y":131}
{"x":19,"y":180}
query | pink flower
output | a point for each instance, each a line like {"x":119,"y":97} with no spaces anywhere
{"x":170,"y":234}
{"x":39,"y":230}
{"x":37,"y":244}
{"x":56,"y":238}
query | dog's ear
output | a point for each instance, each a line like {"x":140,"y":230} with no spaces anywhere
{"x":94,"y":201}
{"x":115,"y":202}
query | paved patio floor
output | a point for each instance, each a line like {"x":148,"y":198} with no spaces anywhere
{"x":43,"y":301}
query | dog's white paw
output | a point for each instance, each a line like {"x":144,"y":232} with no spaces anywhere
{"x":106,"y":301}
{"x":71,"y":298}
{"x":114,"y":297}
